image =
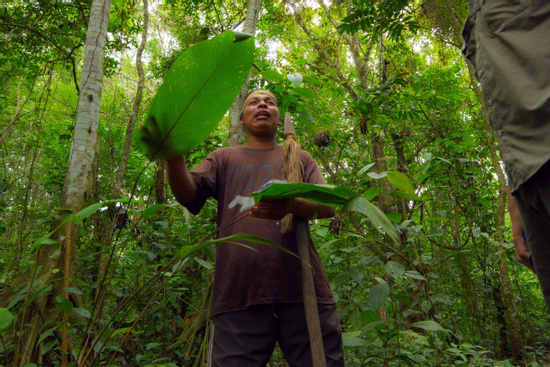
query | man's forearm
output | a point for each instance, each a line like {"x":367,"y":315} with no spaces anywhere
{"x":180,"y":180}
{"x":522,"y":249}
{"x":309,"y":210}
{"x":515,"y":218}
{"x":277,"y":209}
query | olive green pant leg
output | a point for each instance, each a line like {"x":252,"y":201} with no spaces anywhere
{"x":533,"y":198}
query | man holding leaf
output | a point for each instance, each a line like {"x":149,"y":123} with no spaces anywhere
{"x":257,"y":294}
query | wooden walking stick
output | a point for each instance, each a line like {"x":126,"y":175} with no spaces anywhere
{"x":294,"y":172}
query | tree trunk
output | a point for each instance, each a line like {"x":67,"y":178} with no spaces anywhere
{"x":34,"y":156}
{"x":376,"y":143}
{"x":236,"y":131}
{"x":501,"y":318}
{"x":160,"y":182}
{"x":516,"y":331}
{"x":105,"y":227}
{"x":361,"y":67}
{"x":468,"y":285}
{"x":74,"y":194}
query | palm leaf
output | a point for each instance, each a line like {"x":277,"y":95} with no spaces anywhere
{"x":197,"y":91}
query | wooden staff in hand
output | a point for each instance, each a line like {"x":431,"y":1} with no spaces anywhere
{"x":294,"y":171}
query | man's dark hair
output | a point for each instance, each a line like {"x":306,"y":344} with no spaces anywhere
{"x":248,"y":95}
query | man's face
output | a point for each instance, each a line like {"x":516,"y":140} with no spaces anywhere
{"x":261,"y":116}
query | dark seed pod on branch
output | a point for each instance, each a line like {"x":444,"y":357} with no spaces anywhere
{"x":335,"y":225}
{"x":121,"y":217}
{"x":322,"y":139}
{"x":364,"y":126}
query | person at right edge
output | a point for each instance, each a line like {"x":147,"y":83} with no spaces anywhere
{"x":508,"y":43}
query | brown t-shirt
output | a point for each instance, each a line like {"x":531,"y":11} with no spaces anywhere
{"x":244,"y":277}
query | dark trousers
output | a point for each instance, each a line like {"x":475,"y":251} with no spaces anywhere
{"x":533,"y":199}
{"x":247,"y":338}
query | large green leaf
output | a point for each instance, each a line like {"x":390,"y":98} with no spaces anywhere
{"x":394,"y":270}
{"x":6,"y":320}
{"x":400,"y":180}
{"x":353,"y":339}
{"x":378,"y":295}
{"x":430,"y":326}
{"x":329,"y":195}
{"x":77,"y":219}
{"x":406,"y":195}
{"x":273,"y":76}
{"x":306,"y":92}
{"x":375,"y":215}
{"x":321,"y":194}
{"x":197,"y":91}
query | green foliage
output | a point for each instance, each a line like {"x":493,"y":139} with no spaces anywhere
{"x":40,"y":32}
{"x":379,"y":17}
{"x":321,"y":194}
{"x":400,"y":180}
{"x":77,"y":219}
{"x":374,"y":214}
{"x":290,"y":95}
{"x":411,"y":143}
{"x":6,"y":320}
{"x":328,"y":195}
{"x":198,"y":89}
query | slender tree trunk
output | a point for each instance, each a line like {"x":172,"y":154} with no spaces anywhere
{"x":34,"y":156}
{"x":105,"y":227}
{"x":160,"y":182}
{"x":19,"y":107}
{"x":236,"y":131}
{"x":501,"y":317}
{"x":515,"y":328}
{"x":376,"y":143}
{"x":361,"y":67}
{"x":74,"y":194}
{"x":468,"y":285}
{"x":85,"y":132}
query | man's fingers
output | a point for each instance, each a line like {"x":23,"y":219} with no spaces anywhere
{"x":274,"y":210}
{"x":267,"y":213}
{"x":524,"y":258}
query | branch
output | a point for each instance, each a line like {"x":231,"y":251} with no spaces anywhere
{"x":346,"y":36}
{"x":439,"y":38}
{"x":75,"y":78}
{"x":149,"y":88}
{"x":84,"y":18}
{"x":344,"y":81}
{"x":18,"y":112}
{"x":325,"y":164}
{"x":40,"y":34}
